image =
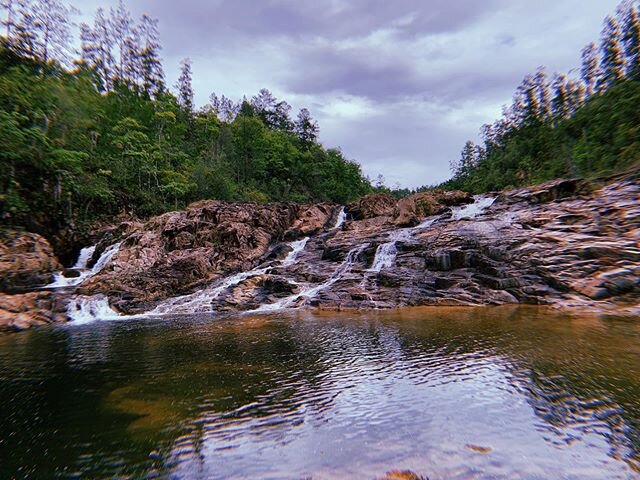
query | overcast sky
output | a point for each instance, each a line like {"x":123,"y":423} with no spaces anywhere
{"x":398,"y":85}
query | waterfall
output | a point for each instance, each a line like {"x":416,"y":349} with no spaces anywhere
{"x":60,"y":281}
{"x":200,"y":302}
{"x":84,"y":257}
{"x":480,"y":204}
{"x":386,"y":253}
{"x":342,"y":217}
{"x":297,"y":248}
{"x":385,"y":256}
{"x":311,"y":292}
{"x":82,"y":310}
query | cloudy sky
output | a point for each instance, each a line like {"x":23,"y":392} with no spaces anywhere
{"x":398,"y":85}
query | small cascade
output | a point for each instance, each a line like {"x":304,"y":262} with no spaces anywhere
{"x":311,"y":292}
{"x":342,"y":217}
{"x":297,"y":248}
{"x":82,"y":310}
{"x":200,"y":302}
{"x":105,"y":258}
{"x":84,"y":257}
{"x":474,"y":209}
{"x":386,"y":253}
{"x":60,"y":281}
{"x":385,"y":256}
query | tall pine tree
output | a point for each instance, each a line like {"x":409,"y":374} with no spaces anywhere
{"x":590,"y":68}
{"x":152,"y":72}
{"x":631,"y":36}
{"x":185,"y":86}
{"x":612,"y":63}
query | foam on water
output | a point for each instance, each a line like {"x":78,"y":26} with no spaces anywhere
{"x":82,"y":310}
{"x":60,"y":281}
{"x":342,"y":217}
{"x":474,"y":209}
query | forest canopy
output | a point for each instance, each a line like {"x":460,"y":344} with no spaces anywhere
{"x":94,"y":133}
{"x":586,"y":125}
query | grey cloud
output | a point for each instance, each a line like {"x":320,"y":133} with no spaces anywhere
{"x":424,"y":74}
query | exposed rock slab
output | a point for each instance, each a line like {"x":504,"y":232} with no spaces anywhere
{"x":20,"y":312}
{"x":26,"y":260}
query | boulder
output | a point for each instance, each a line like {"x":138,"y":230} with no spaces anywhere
{"x":20,"y":312}
{"x":27,"y":261}
{"x":370,"y":206}
{"x":410,"y":210}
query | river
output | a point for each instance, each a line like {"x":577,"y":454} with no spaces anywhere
{"x":489,"y":393}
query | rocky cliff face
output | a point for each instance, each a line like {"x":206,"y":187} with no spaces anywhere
{"x":563,"y":244}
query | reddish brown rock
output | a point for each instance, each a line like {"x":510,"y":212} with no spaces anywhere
{"x":409,"y":211}
{"x":370,"y":206}
{"x":179,"y":251}
{"x":26,"y":260}
{"x":20,"y":312}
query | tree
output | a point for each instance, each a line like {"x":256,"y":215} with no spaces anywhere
{"x":152,"y":72}
{"x":526,"y":106}
{"x":631,"y":37}
{"x":185,"y":87}
{"x":306,"y":128}
{"x":462,"y":168}
{"x":49,"y":24}
{"x":590,"y":68}
{"x":560,"y":103}
{"x":544,"y":97}
{"x":612,"y":63}
{"x":121,"y":30}
{"x":575,"y":96}
{"x":14,"y":9}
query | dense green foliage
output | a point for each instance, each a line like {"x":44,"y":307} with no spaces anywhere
{"x":584,"y":127}
{"x":78,"y":143}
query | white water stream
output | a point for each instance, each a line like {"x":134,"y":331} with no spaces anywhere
{"x":60,"y":281}
{"x":387,"y":252}
{"x":83,"y":310}
{"x":474,"y":209}
{"x":88,"y":309}
{"x":310,"y":292}
{"x":342,"y":217}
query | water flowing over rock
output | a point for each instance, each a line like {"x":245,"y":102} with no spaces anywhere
{"x":566,"y":244}
{"x":80,"y":272}
{"x":562,"y":244}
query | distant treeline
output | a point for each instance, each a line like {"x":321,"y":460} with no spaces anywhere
{"x":95,"y":133}
{"x":564,"y":126}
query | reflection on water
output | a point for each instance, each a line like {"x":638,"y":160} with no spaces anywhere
{"x":450,"y":394}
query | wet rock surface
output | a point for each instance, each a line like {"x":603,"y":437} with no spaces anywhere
{"x":182,"y":251}
{"x":26,"y":260}
{"x":565,"y":244}
{"x":20,"y":312}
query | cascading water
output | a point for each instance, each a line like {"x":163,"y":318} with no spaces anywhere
{"x":474,"y":209}
{"x":82,"y":310}
{"x":386,"y":253}
{"x":60,"y":281}
{"x":201,"y":301}
{"x":297,"y":248}
{"x":311,"y":292}
{"x":342,"y":217}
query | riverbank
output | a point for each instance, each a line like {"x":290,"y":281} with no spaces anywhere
{"x":567,"y":244}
